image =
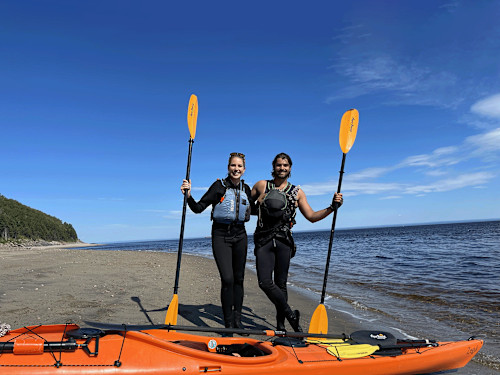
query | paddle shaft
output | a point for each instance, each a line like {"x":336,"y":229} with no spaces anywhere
{"x":183,"y":221}
{"x":238,"y":331}
{"x":335,"y":206}
{"x":257,"y":332}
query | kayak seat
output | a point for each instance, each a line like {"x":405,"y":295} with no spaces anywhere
{"x":193,"y":345}
{"x":241,"y":350}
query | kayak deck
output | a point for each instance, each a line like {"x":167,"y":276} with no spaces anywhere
{"x":69,"y":349}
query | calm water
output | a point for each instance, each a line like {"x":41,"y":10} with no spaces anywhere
{"x":435,"y":281}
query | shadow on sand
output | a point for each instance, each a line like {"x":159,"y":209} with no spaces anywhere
{"x":203,"y":315}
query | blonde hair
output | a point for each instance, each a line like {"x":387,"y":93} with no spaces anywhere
{"x":236,"y":155}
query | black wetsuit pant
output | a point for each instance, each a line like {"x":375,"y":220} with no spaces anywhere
{"x":274,"y":256}
{"x":229,"y":246}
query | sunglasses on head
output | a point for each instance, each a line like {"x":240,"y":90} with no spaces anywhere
{"x":238,"y":154}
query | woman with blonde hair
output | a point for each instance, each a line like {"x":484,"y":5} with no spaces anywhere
{"x":231,"y":203}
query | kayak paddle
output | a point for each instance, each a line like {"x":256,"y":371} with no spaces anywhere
{"x":238,"y":331}
{"x":347,"y":135}
{"x":192,"y":117}
{"x":340,"y":350}
{"x":374,"y":338}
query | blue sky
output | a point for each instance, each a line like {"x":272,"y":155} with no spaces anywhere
{"x":94,"y":98}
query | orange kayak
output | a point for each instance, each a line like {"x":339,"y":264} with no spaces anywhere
{"x":69,"y":349}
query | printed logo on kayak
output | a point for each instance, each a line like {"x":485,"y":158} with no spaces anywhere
{"x":378,"y":336}
{"x":212,"y":344}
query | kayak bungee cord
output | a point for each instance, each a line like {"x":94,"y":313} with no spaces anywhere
{"x":118,"y":362}
{"x":30,"y":346}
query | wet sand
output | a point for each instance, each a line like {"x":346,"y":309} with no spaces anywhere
{"x":57,"y":284}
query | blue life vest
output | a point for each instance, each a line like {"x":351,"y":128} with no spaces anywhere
{"x":234,"y":206}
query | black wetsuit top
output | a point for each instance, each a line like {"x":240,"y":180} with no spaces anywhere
{"x":229,"y":246}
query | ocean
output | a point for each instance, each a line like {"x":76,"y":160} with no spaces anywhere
{"x":439,"y":281}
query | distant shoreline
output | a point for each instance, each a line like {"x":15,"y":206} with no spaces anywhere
{"x":42,"y":245}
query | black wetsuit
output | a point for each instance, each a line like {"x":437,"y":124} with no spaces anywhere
{"x":229,"y":246}
{"x":274,"y":247}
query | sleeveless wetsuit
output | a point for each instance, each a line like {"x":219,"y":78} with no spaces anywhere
{"x":274,"y":247}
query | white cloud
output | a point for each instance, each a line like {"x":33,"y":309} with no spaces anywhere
{"x":442,"y":156}
{"x":370,"y":173}
{"x":358,"y":188}
{"x":450,"y":6}
{"x":484,"y":146}
{"x":351,"y":188}
{"x":445,"y":150}
{"x":177,"y":214}
{"x":488,"y":107}
{"x":485,"y":142}
{"x":382,"y":72}
{"x":457,"y":182}
{"x":435,"y":172}
{"x":319,"y":188}
{"x":412,"y":82}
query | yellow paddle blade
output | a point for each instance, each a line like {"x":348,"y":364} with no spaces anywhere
{"x":326,"y":342}
{"x":348,"y":129}
{"x":172,"y":310}
{"x":319,"y":320}
{"x":192,"y":115}
{"x":352,"y":351}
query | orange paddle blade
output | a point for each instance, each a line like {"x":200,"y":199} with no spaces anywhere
{"x":348,"y":129}
{"x":192,"y":115}
{"x":319,"y":320}
{"x":172,"y":311}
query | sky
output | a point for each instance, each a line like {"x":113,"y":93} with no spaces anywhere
{"x":94,"y":97}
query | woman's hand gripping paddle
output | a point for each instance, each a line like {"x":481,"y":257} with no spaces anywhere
{"x":192,"y":117}
{"x":347,"y":135}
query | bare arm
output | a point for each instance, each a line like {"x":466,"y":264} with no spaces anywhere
{"x":312,"y":215}
{"x":258,"y":190}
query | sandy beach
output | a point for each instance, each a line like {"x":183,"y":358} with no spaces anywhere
{"x":57,"y":284}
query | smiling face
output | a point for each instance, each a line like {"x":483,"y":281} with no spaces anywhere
{"x":236,"y":167}
{"x":282,"y":168}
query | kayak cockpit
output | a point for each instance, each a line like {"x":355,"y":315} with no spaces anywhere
{"x":236,"y":350}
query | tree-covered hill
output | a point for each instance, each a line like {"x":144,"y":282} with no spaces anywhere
{"x":19,"y":222}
